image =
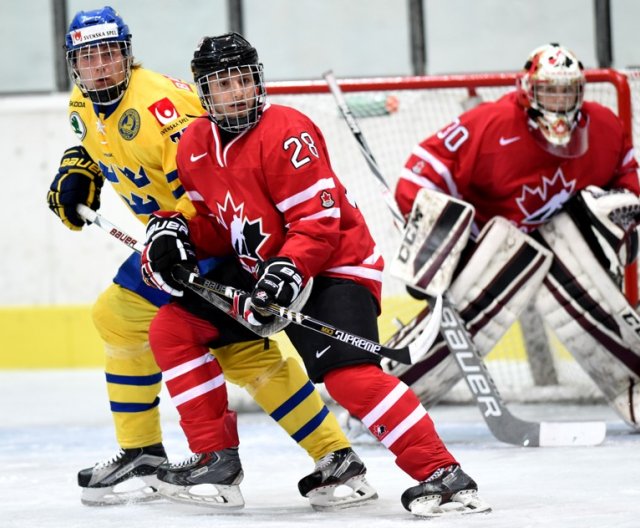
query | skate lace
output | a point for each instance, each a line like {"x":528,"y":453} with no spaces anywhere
{"x":110,"y":461}
{"x":187,"y":461}
{"x":324,"y":462}
{"x":439,"y":472}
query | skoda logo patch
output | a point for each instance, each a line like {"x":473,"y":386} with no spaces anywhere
{"x":129,"y":124}
{"x":77,"y":125}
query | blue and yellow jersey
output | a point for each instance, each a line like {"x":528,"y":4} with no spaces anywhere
{"x":135,"y":141}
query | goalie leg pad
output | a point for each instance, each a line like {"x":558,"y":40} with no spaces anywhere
{"x":502,"y":275}
{"x":592,"y":318}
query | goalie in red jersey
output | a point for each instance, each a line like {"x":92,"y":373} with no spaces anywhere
{"x":562,"y":172}
{"x":261,"y":174}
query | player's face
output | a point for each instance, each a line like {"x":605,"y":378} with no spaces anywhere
{"x":233,"y":92}
{"x":101,"y":66}
{"x":556,"y":98}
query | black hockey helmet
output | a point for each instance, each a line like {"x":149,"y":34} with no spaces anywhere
{"x":219,"y":53}
{"x":230,"y":54}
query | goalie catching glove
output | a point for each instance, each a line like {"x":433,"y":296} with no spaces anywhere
{"x":167,"y":245}
{"x":279,"y":282}
{"x":79,"y":181}
{"x":608,"y":220}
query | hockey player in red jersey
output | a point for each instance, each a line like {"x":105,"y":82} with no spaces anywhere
{"x":562,"y":170}
{"x":524,"y":156}
{"x":261,"y":174}
{"x":129,"y":120}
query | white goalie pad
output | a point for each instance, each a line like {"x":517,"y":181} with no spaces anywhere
{"x":592,"y":318}
{"x":502,"y":275}
{"x":436,"y":233}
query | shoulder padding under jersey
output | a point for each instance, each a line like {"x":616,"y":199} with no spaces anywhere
{"x":591,"y":317}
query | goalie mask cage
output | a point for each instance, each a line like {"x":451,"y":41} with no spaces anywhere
{"x":394,"y":115}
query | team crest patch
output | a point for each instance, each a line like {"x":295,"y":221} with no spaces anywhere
{"x":129,"y":124}
{"x":164,"y":111}
{"x":379,"y":430}
{"x":77,"y":125}
{"x":327,"y":199}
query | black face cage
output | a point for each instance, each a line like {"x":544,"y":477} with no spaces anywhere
{"x":234,"y":97}
{"x":86,"y":80}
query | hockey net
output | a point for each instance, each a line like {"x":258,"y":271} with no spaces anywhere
{"x":394,"y":115}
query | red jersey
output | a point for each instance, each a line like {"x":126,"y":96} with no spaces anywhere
{"x":271,"y":192}
{"x":489,"y":158}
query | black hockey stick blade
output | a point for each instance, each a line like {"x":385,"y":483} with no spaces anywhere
{"x":408,"y":355}
{"x":100,"y":221}
{"x":504,"y":426}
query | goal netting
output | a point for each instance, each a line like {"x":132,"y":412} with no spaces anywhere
{"x":529,"y":364}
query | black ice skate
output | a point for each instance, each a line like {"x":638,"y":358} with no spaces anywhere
{"x":129,"y":476}
{"x":340,"y":468}
{"x":204,"y":479}
{"x":448,"y":490}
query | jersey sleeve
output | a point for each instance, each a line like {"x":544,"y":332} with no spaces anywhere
{"x":306,"y":192}
{"x":440,"y":161}
{"x":626,"y":176}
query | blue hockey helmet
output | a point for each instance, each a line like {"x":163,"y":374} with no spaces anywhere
{"x":88,"y":30}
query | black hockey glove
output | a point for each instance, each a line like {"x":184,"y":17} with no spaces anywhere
{"x":167,"y":245}
{"x":280,"y":282}
{"x":79,"y":181}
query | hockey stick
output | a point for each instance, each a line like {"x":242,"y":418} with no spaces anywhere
{"x":408,"y":355}
{"x":267,"y":330}
{"x":213,"y":292}
{"x":504,"y":426}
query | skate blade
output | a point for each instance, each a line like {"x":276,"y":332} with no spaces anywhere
{"x":461,"y":503}
{"x":212,"y":496}
{"x":132,"y":491}
{"x":353,"y":493}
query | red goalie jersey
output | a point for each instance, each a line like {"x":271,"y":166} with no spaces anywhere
{"x":489,"y":158}
{"x":271,"y":192}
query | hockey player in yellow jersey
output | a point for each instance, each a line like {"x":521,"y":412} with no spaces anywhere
{"x":128,"y":121}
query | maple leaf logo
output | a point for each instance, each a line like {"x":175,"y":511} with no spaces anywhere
{"x":247,"y":236}
{"x":542,"y":202}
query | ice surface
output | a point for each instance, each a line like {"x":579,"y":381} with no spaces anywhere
{"x":54,"y":423}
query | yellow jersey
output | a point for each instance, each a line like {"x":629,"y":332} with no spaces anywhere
{"x":135,"y":140}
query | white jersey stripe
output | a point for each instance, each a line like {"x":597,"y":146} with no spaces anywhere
{"x":334,"y":212}
{"x":628,"y":157}
{"x":195,"y":196}
{"x":404,"y":426}
{"x":439,"y":167}
{"x":306,"y":194}
{"x":199,"y":390}
{"x":358,"y":271}
{"x":411,"y":176}
{"x":188,"y":366}
{"x":387,"y":402}
{"x":373,"y":258}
